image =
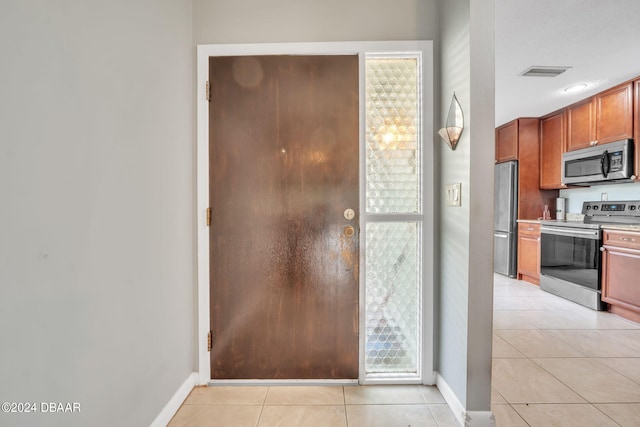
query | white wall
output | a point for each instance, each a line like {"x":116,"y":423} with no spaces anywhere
{"x":255,"y":21}
{"x":97,"y":211}
{"x":466,"y":262}
{"x":454,"y":221}
{"x":576,"y":196}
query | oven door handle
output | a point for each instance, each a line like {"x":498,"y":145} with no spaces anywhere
{"x":591,"y":234}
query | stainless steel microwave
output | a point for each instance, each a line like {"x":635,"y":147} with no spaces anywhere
{"x":601,"y":164}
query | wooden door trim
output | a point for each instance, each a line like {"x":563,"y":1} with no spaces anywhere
{"x":202,"y":175}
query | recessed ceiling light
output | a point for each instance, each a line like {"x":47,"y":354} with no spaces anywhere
{"x":576,"y":88}
{"x":543,"y":71}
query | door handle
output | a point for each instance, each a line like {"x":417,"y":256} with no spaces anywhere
{"x":605,"y":164}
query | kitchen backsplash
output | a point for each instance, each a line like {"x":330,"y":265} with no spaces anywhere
{"x":576,"y":196}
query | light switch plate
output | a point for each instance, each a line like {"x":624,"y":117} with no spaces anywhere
{"x":452,"y":194}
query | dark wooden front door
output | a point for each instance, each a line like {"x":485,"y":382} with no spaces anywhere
{"x":283,"y":169}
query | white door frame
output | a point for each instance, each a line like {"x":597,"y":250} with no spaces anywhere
{"x":202,"y":166}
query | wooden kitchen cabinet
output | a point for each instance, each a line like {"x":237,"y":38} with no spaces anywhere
{"x":531,"y":199}
{"x":636,"y":124}
{"x":580,"y":124}
{"x":614,"y":114}
{"x":603,"y":118}
{"x":507,"y":142}
{"x":553,"y":130}
{"x":620,"y":272}
{"x":526,"y":134}
{"x":529,"y":252}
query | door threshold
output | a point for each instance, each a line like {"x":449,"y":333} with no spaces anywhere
{"x":216,"y":383}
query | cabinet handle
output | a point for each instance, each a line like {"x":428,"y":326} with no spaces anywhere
{"x":627,"y":239}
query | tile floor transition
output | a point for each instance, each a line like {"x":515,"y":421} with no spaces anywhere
{"x":555,"y":363}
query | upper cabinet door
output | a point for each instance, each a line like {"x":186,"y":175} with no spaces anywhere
{"x":552,"y":139}
{"x":507,"y":142}
{"x":614,"y":114}
{"x":636,"y":124}
{"x":606,"y":117}
{"x":581,"y":125}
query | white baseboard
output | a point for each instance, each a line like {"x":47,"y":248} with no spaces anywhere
{"x":176,"y":400}
{"x":465,"y":418}
{"x":452,"y":400}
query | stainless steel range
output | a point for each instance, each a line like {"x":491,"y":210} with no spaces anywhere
{"x":570,"y":251}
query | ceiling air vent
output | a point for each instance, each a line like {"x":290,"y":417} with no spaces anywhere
{"x":537,"y":71}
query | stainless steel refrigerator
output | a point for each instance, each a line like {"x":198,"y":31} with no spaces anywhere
{"x":505,"y":230}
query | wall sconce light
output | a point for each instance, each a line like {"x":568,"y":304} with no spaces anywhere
{"x":454,"y":124}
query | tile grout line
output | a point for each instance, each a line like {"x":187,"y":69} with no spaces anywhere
{"x":264,"y":401}
{"x":615,"y":370}
{"x":517,"y":413}
{"x":606,"y":415}
{"x":344,"y":402}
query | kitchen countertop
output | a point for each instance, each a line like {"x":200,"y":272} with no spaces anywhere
{"x":624,"y":227}
{"x":529,"y":221}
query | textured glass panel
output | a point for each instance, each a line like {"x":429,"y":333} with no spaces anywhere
{"x":392,"y":144}
{"x":392,"y":297}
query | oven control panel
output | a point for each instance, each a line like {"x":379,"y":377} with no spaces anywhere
{"x":614,"y":207}
{"x":630,"y":208}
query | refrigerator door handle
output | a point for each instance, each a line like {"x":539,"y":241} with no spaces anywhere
{"x":502,"y":236}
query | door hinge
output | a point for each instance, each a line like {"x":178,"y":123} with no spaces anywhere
{"x":208,"y":217}
{"x":208,"y":91}
{"x":209,"y":341}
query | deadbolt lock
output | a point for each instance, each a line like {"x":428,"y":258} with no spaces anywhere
{"x":349,"y":214}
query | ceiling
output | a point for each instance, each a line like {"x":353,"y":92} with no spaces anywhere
{"x":599,"y":39}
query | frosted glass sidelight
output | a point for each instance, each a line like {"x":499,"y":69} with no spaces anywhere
{"x":392,"y":298}
{"x":393,"y":224}
{"x":392,"y":136}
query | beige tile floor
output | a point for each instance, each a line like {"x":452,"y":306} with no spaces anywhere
{"x":310,"y":406}
{"x":556,"y":363}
